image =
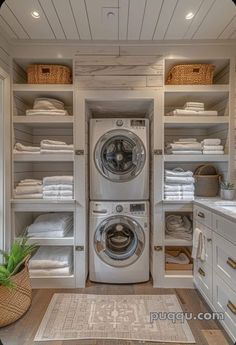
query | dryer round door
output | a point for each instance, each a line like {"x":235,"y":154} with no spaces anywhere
{"x":119,"y":241}
{"x":120,"y":155}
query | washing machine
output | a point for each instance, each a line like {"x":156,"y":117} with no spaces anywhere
{"x":119,"y":242}
{"x":119,"y":162}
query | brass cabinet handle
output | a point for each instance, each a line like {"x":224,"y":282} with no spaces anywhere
{"x":231,"y":263}
{"x":201,"y":272}
{"x":158,"y":248}
{"x":209,"y":240}
{"x":201,"y":215}
{"x":231,"y":307}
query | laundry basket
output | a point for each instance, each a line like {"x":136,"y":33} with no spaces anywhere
{"x":206,"y":181}
{"x":189,"y":74}
{"x":49,"y":74}
{"x":14,"y":302}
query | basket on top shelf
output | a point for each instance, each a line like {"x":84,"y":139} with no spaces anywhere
{"x":48,"y":74}
{"x":189,"y":74}
{"x":207,"y":181}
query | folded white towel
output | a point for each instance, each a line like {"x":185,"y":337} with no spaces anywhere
{"x":44,"y":151}
{"x":23,"y":148}
{"x":52,"y":180}
{"x":49,"y":234}
{"x":28,"y":196}
{"x":192,"y":112}
{"x":176,"y":188}
{"x":45,"y":103}
{"x":179,"y":179}
{"x":28,"y":189}
{"x":51,"y":257}
{"x":185,"y":146}
{"x":213,"y":152}
{"x":53,"y":272}
{"x":35,"y":112}
{"x":174,"y":152}
{"x":186,"y":140}
{"x":213,"y":148}
{"x":178,"y":172}
{"x":211,"y":142}
{"x":194,"y":104}
{"x":61,"y":197}
{"x":179,"y":193}
{"x":57,"y":147}
{"x":181,"y":259}
{"x":199,"y":245}
{"x":179,"y":198}
{"x":58,"y":193}
{"x":57,"y":221}
{"x":25,"y":152}
{"x":58,"y":187}
{"x":51,"y":142}
{"x":30,"y":183}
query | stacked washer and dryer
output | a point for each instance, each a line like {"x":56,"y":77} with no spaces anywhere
{"x":119,"y":207}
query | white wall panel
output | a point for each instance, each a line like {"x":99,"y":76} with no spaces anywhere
{"x":67,"y":19}
{"x":49,"y":10}
{"x":164,"y":19}
{"x":151,"y":15}
{"x":81,"y":18}
{"x":136,"y":13}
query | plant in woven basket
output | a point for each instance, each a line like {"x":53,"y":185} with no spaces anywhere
{"x":14,"y":260}
{"x":227,"y":185}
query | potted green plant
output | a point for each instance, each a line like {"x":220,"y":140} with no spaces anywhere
{"x":15,"y":287}
{"x":227,"y":190}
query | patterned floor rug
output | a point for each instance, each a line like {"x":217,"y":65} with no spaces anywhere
{"x":127,"y":317}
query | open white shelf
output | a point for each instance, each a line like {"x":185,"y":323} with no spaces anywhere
{"x":190,"y":121}
{"x":44,"y":121}
{"x":179,"y":274}
{"x":65,"y":282}
{"x":24,"y":205}
{"x":68,"y":240}
{"x":196,"y":158}
{"x":197,"y":88}
{"x":52,"y":157}
{"x":177,"y":242}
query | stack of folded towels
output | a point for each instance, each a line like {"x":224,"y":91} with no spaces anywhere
{"x":187,"y":146}
{"x":180,"y":227}
{"x":179,"y":185}
{"x":47,"y":106}
{"x":58,"y":187}
{"x":212,"y":147}
{"x":193,"y":109}
{"x":53,"y":146}
{"x":51,"y":225}
{"x":51,"y":261}
{"x":29,"y":189}
{"x":20,"y":148}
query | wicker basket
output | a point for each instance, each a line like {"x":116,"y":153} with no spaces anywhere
{"x":191,"y":74}
{"x":49,"y":74}
{"x":15,"y":302}
{"x":206,"y":185}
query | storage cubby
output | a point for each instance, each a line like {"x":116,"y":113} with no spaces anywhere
{"x":171,"y":232}
{"x":179,"y":269}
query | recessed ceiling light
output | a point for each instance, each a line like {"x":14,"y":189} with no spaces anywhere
{"x":190,"y":15}
{"x":35,"y":14}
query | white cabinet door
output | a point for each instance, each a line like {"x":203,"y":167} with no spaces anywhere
{"x":224,"y":260}
{"x":224,"y":227}
{"x":203,"y":279}
{"x":203,"y":216}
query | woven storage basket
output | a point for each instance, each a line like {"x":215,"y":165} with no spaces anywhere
{"x":206,"y":185}
{"x":49,"y":74}
{"x":16,"y":301}
{"x":191,"y":74}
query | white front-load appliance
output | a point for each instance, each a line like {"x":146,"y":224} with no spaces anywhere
{"x":119,"y":242}
{"x":119,"y":162}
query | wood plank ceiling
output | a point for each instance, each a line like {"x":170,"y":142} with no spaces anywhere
{"x":119,"y":19}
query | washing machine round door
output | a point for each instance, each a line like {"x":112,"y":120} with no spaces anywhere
{"x":119,"y":241}
{"x":120,"y":155}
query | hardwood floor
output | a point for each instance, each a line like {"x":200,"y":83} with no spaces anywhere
{"x":23,"y":331}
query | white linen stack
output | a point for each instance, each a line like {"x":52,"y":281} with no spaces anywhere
{"x":20,"y":148}
{"x":187,"y":146}
{"x":48,"y":107}
{"x":179,"y":185}
{"x":193,"y":109}
{"x":53,"y":146}
{"x":51,"y":225}
{"x":29,"y":189}
{"x":180,"y":259}
{"x":51,"y":261}
{"x":180,"y":227}
{"x":58,"y":187}
{"x":212,"y":147}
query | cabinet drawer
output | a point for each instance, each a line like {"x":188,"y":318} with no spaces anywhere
{"x":224,"y":260}
{"x":208,"y":234}
{"x":224,"y":227}
{"x":224,"y":300}
{"x":203,"y":278}
{"x":203,"y":216}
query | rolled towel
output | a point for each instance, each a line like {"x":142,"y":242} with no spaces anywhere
{"x":211,"y":142}
{"x":51,"y":257}
{"x":52,"y":180}
{"x":23,"y":148}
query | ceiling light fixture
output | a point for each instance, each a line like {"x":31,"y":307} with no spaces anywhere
{"x":35,"y":14}
{"x":190,"y":15}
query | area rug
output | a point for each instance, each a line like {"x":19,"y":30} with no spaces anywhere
{"x":127,"y":317}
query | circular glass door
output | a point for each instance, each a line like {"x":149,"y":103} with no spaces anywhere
{"x":120,"y":155}
{"x":119,"y":241}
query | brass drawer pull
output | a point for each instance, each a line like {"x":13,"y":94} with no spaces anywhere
{"x":231,"y":307}
{"x":231,"y":263}
{"x":201,"y":215}
{"x":209,"y":240}
{"x":201,"y":272}
{"x":158,"y":248}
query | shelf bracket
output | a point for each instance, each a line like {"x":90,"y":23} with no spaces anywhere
{"x":79,"y":248}
{"x":157,"y":152}
{"x":158,"y":248}
{"x":79,"y":152}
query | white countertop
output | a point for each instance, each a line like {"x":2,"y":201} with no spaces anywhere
{"x":216,"y":205}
